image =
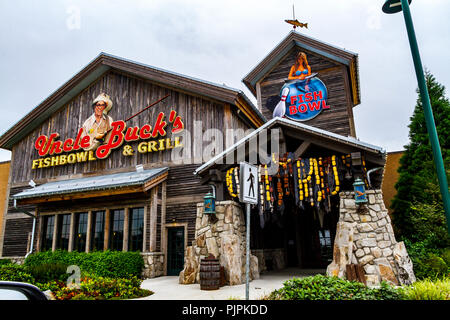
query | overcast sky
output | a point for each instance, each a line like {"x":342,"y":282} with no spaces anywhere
{"x":44,"y":43}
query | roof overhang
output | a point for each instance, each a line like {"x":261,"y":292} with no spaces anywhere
{"x":91,"y":187}
{"x":105,"y":62}
{"x":319,"y":137}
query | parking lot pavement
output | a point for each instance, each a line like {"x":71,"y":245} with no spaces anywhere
{"x":168,"y":288}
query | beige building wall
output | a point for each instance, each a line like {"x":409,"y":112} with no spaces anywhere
{"x":4,"y":174}
{"x":391,"y":177}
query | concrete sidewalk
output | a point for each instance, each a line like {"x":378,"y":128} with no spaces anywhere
{"x":168,"y":288}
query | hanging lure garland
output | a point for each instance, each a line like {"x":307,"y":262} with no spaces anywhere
{"x":312,"y":181}
{"x":232,"y":184}
{"x":261,"y":197}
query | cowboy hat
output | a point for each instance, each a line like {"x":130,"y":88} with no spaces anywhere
{"x":104,"y":97}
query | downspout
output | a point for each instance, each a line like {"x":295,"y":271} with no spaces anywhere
{"x":369,"y":172}
{"x":34,"y":225}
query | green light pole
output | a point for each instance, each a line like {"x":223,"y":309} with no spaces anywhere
{"x":394,"y":6}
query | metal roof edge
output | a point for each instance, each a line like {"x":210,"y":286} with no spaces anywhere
{"x":348,"y":140}
{"x":112,"y":186}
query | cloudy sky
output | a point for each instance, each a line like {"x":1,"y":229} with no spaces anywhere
{"x":44,"y":43}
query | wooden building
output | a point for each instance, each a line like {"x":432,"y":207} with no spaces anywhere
{"x":141,"y":185}
{"x":156,"y":211}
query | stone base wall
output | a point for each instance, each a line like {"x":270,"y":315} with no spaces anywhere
{"x":364,"y":236}
{"x":16,"y":259}
{"x":222,"y":235}
{"x":273,"y":259}
{"x":153,"y":264}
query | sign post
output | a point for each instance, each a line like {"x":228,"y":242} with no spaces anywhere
{"x":248,"y":195}
{"x":394,"y":6}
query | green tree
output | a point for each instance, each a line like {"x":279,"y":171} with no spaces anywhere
{"x":418,"y":211}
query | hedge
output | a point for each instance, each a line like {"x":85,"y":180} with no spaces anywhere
{"x":111,"y":264}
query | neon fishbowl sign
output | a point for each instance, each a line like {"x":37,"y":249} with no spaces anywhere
{"x":303,"y":96}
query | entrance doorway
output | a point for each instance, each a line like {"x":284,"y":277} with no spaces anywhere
{"x":296,"y":238}
{"x":175,"y":250}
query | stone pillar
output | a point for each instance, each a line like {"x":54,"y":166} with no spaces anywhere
{"x":364,"y":236}
{"x":223,"y":237}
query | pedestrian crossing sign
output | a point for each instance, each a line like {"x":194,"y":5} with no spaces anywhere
{"x":249,"y":183}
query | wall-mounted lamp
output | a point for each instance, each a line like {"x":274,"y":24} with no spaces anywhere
{"x":360,"y":191}
{"x":209,"y":204}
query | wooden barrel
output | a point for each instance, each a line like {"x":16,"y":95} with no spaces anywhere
{"x":209,"y":273}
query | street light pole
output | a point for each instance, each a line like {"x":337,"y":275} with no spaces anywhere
{"x":393,"y":6}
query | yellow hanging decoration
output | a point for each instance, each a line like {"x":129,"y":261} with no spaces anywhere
{"x":229,"y":181}
{"x":335,"y":173}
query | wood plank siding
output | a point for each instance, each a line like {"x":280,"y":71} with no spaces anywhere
{"x":338,"y":118}
{"x":129,"y":94}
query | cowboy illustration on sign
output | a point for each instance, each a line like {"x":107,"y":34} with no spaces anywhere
{"x":303,"y":96}
{"x":98,"y":125}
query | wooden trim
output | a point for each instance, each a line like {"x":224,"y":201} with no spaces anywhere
{"x":354,"y":84}
{"x":126,"y":229}
{"x":349,"y":104}
{"x":107,"y":229}
{"x":302,"y":149}
{"x":145,"y":241}
{"x":38,"y":233}
{"x":258,"y":96}
{"x":153,"y":218}
{"x":55,"y":232}
{"x":72,"y":231}
{"x":163,"y":214}
{"x":154,"y":182}
{"x":174,"y":225}
{"x":250,"y":114}
{"x":89,"y":232}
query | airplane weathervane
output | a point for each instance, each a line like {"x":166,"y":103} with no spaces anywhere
{"x":295,"y":22}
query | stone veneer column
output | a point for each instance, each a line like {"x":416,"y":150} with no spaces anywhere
{"x":364,"y":236}
{"x":225,"y":239}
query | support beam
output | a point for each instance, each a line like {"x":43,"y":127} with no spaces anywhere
{"x":88,"y":232}
{"x":107,"y":229}
{"x":55,"y":231}
{"x":153,"y":218}
{"x":72,"y":231}
{"x":126,"y":224}
{"x":302,"y":149}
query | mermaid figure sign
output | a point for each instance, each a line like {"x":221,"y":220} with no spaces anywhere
{"x":303,"y":96}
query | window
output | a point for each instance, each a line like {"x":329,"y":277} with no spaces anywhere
{"x":47,"y":232}
{"x":98,"y":233}
{"x":116,"y":227}
{"x":326,"y":250}
{"x":79,"y":241}
{"x":136,"y":232}
{"x":64,"y":231}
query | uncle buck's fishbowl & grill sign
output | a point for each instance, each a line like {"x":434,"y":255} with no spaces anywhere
{"x":99,"y":135}
{"x":303,"y":95}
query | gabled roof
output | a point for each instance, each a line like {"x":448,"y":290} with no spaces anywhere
{"x":329,"y":51}
{"x":105,"y":62}
{"x":337,"y":142}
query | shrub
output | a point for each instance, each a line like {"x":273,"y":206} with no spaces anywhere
{"x":47,"y":272}
{"x":100,"y":288}
{"x":429,"y":290}
{"x":428,"y":260}
{"x":113,"y":264}
{"x":446,"y":256}
{"x":322,"y":287}
{"x":5,"y":261}
{"x":15,"y":272}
